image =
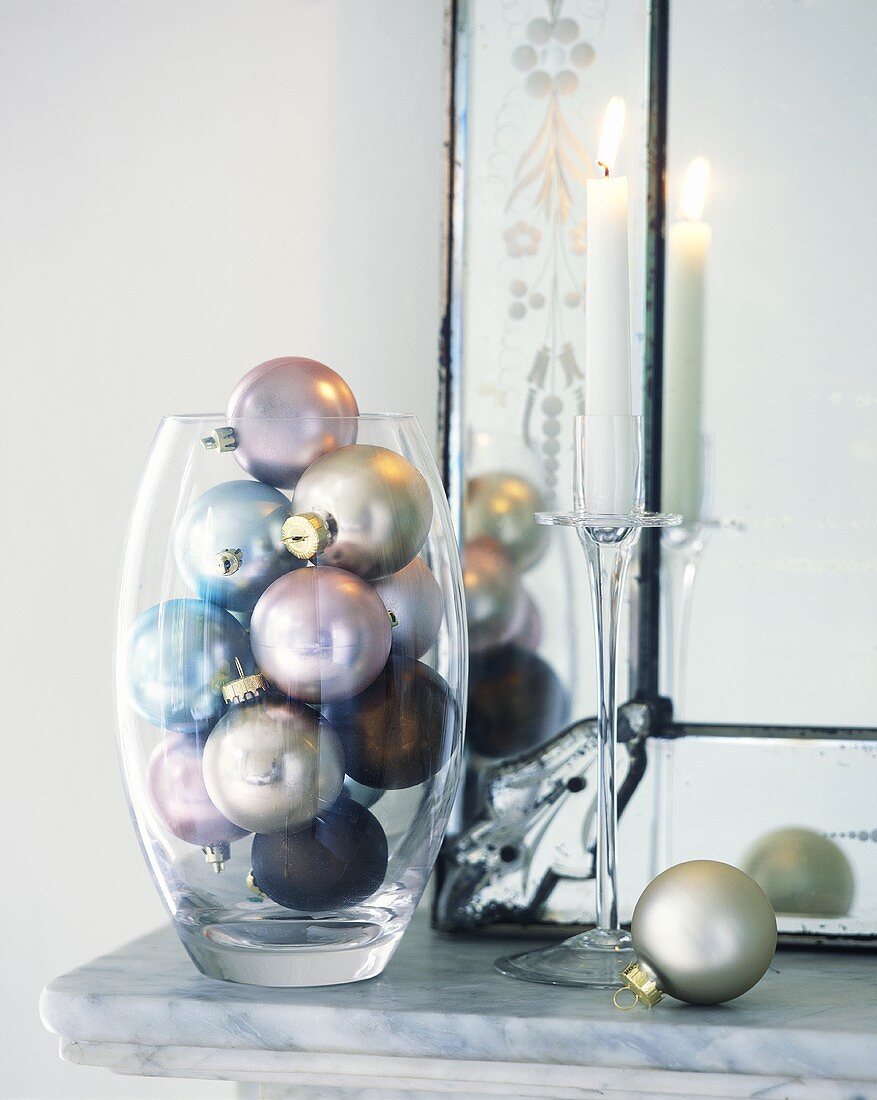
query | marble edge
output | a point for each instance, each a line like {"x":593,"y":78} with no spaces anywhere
{"x":273,"y":1029}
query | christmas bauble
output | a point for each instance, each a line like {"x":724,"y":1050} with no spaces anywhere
{"x":180,"y":653}
{"x":362,"y":508}
{"x":228,"y":544}
{"x":339,"y":860}
{"x":525,"y":629}
{"x":414,"y":599}
{"x":175,"y":782}
{"x":501,"y":506}
{"x":802,"y":872}
{"x":271,"y":764}
{"x":494,"y":593}
{"x":400,"y":730}
{"x":516,"y":702}
{"x":705,"y":930}
{"x":320,"y":634}
{"x":281,"y":413}
{"x":365,"y":796}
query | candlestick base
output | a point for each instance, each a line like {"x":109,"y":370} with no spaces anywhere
{"x":594,"y":959}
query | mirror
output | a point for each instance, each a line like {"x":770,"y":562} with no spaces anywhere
{"x":768,"y":620}
{"x":780,"y":96}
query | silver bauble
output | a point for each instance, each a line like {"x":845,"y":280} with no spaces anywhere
{"x":180,"y":654}
{"x":228,"y":545}
{"x":320,"y":634}
{"x":494,"y":593}
{"x":361,"y":508}
{"x":802,"y":872}
{"x":282,"y":414}
{"x":414,"y":599}
{"x":705,"y":930}
{"x":271,"y":765}
{"x":501,"y":506}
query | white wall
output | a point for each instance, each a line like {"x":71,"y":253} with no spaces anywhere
{"x":186,"y":188}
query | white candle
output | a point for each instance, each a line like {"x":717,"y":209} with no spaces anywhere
{"x":607,"y":334}
{"x":688,"y":244}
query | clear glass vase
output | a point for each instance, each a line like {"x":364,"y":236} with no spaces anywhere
{"x":291,"y":668}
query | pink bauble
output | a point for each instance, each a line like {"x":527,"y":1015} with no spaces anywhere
{"x":320,"y":634}
{"x":176,"y":788}
{"x":525,"y":629}
{"x":494,"y":593}
{"x":285,"y":416}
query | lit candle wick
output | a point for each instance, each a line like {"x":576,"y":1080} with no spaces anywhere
{"x":605,"y":168}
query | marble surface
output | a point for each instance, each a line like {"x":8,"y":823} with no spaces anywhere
{"x":441,"y":1021}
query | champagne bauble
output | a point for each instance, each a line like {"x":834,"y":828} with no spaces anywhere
{"x":339,"y":860}
{"x":283,"y":415}
{"x":361,"y":508}
{"x":414,"y":600}
{"x":228,"y":544}
{"x":400,"y":730}
{"x":802,"y":872}
{"x":703,"y":932}
{"x":501,"y":506}
{"x":320,"y":634}
{"x":180,"y":652}
{"x":271,"y":764}
{"x":516,"y":702}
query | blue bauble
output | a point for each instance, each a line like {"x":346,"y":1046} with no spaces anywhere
{"x":180,"y":653}
{"x":228,"y":545}
{"x":365,"y":796}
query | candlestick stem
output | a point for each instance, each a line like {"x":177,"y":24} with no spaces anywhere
{"x":608,"y":553}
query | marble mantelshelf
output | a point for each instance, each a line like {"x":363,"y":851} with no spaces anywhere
{"x":441,"y":1021}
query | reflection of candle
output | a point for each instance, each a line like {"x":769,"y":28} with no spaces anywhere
{"x":687,"y":248}
{"x":607,"y":336}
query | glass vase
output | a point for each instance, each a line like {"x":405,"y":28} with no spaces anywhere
{"x":290,"y":724}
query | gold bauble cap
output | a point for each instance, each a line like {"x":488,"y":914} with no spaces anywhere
{"x":642,"y":983}
{"x":243,"y":687}
{"x":305,"y":535}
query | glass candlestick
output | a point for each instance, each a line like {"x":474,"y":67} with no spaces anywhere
{"x":608,"y":516}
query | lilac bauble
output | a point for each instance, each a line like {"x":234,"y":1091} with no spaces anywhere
{"x":175,"y":781}
{"x":494,"y":593}
{"x":525,"y":629}
{"x":414,"y":598}
{"x":278,"y":412}
{"x":320,"y":634}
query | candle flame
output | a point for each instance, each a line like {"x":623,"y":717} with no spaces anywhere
{"x":694,"y":190}
{"x":610,"y":135}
